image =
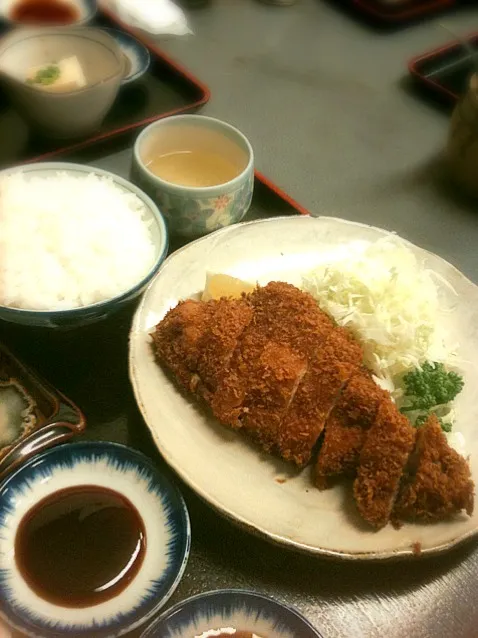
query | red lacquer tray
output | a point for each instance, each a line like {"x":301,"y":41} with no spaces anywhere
{"x":166,"y":89}
{"x":445,"y":71}
{"x":401,"y":12}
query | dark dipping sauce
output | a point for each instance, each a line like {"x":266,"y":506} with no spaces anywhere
{"x":44,"y":12}
{"x":80,"y":546}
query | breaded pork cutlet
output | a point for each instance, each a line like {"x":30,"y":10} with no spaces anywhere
{"x":346,"y":428}
{"x":272,"y":384}
{"x":196,"y":340}
{"x":176,"y":339}
{"x":219,"y":341}
{"x":438,"y":483}
{"x":329,"y":370}
{"x":285,"y":321}
{"x":383,"y":459}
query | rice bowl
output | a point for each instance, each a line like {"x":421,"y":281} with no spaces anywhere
{"x":87,"y":263}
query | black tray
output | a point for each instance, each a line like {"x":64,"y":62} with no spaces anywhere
{"x":446,"y":71}
{"x":166,"y":89}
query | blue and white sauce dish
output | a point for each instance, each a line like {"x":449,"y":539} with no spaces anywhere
{"x":45,"y":533}
{"x":137,"y":56}
{"x":231,"y":612}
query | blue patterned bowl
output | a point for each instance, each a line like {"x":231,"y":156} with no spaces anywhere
{"x":74,"y":317}
{"x":138,"y":58}
{"x":193,"y":211}
{"x":165,"y":520}
{"x":221,"y":612}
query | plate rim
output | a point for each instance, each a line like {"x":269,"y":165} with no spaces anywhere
{"x":386,"y":555}
{"x":247,"y":593}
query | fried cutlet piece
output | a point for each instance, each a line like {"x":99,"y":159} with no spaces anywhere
{"x":346,"y":428}
{"x":177,"y":337}
{"x":196,"y":340}
{"x":438,"y":482}
{"x":272,"y":386}
{"x":329,"y":370}
{"x":282,"y":314}
{"x":383,"y":458}
{"x":218,"y":343}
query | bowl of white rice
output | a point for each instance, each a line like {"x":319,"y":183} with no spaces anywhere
{"x":76,"y":244}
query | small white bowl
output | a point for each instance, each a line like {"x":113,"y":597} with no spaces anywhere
{"x":86,"y":10}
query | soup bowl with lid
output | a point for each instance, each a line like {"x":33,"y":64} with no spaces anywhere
{"x":94,"y":539}
{"x":198,"y":170}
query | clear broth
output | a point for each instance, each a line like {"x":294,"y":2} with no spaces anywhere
{"x":194,"y":168}
{"x":193,"y":156}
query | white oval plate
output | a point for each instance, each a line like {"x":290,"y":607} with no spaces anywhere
{"x":225,"y":469}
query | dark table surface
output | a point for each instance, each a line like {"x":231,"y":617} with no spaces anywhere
{"x":322,"y":99}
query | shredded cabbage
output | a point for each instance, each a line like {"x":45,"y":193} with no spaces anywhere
{"x":390,"y":302}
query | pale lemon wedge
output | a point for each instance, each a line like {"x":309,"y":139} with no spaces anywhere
{"x":218,"y":286}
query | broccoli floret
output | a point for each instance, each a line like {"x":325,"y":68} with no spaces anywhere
{"x":430,"y":386}
{"x":422,"y":418}
{"x":446,"y":426}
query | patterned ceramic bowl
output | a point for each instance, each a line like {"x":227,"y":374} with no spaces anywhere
{"x":217,"y":149}
{"x":83,"y":315}
{"x":137,"y":56}
{"x":231,"y":612}
{"x":108,"y":468}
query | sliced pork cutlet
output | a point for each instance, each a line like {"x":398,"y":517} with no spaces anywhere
{"x":383,"y":459}
{"x":273,"y":381}
{"x":330,"y":368}
{"x":270,"y":359}
{"x":438,"y":483}
{"x":346,"y":428}
{"x":196,"y":340}
{"x":219,"y":341}
{"x":176,"y":339}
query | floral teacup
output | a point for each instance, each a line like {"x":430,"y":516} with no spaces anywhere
{"x":193,"y":211}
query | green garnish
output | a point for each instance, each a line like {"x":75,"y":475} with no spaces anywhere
{"x":428,"y":389}
{"x":46,"y":76}
{"x":446,"y":426}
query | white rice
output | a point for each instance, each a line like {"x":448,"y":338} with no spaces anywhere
{"x":68,"y":241}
